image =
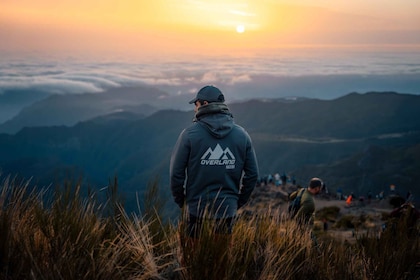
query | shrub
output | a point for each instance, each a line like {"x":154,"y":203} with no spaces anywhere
{"x":329,"y":213}
{"x":346,"y":221}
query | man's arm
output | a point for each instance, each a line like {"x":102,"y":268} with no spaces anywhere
{"x":177,"y":169}
{"x":250,"y":177}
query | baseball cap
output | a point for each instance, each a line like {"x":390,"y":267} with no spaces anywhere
{"x":209,"y":94}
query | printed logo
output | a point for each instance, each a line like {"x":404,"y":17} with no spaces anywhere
{"x":218,"y":157}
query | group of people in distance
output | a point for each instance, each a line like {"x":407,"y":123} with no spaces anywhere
{"x":213,"y":167}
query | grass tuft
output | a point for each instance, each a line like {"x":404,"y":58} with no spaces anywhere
{"x":62,"y":234}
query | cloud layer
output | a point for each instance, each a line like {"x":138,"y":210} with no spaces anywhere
{"x":77,"y":75}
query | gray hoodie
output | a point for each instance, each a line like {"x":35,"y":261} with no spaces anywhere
{"x":213,"y":164}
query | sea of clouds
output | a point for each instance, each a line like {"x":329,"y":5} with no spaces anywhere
{"x":81,"y":74}
{"x":323,"y":73}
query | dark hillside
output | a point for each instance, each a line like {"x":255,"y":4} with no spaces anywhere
{"x":352,"y":116}
{"x":357,"y":142}
{"x":373,"y":169}
{"x":70,"y":109}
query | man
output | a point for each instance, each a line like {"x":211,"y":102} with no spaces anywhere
{"x":306,"y":212}
{"x":213,"y":167}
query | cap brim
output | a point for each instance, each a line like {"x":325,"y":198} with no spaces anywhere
{"x":193,"y":101}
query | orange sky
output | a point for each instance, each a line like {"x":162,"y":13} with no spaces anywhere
{"x":193,"y":26}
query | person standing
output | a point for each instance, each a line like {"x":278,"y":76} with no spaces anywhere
{"x":283,"y":179}
{"x":213,"y":167}
{"x":306,"y":211}
{"x":277,"y":179}
{"x":349,"y":200}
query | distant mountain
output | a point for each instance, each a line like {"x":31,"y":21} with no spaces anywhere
{"x":351,"y":116}
{"x":69,"y":109}
{"x":356,"y":142}
{"x":13,"y":100}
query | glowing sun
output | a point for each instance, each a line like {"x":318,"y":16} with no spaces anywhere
{"x":240,"y":28}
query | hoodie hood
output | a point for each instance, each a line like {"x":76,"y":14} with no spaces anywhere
{"x":216,"y":118}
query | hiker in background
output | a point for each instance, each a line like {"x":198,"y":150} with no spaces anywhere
{"x":264,"y":180}
{"x":339,"y":194}
{"x":392,"y":189}
{"x":270,"y":179}
{"x":305,"y":213}
{"x":306,"y":210}
{"x":213,"y":168}
{"x":283,"y":179}
{"x":349,"y":200}
{"x":277,"y":179}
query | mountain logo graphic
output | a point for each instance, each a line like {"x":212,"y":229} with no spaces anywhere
{"x":218,"y":157}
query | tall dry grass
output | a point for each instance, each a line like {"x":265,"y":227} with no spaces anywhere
{"x":62,"y":234}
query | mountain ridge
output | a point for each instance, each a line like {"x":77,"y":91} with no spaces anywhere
{"x":378,"y":144}
{"x":69,"y":109}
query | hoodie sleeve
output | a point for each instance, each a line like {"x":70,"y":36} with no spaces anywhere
{"x":249,"y":180}
{"x":177,"y":169}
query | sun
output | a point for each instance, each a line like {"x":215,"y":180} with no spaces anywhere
{"x":240,"y":28}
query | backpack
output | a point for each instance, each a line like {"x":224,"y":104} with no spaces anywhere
{"x":294,"y":204}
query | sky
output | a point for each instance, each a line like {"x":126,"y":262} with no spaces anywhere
{"x":269,"y":48}
{"x":220,"y":27}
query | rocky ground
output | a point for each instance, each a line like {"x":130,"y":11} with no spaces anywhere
{"x":363,"y":216}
